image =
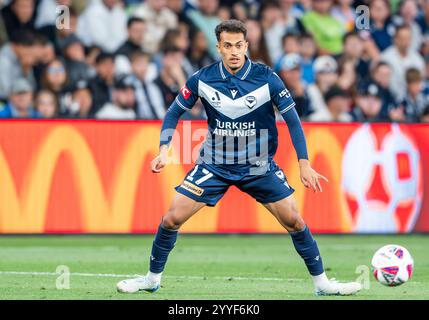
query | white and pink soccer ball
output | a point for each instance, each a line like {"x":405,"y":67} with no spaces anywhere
{"x":392,"y":265}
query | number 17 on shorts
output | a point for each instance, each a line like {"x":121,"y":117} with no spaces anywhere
{"x":203,"y":186}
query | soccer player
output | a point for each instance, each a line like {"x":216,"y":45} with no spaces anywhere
{"x":238,"y":95}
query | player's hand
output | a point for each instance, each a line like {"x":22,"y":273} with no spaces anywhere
{"x":160,"y":161}
{"x":309,"y":176}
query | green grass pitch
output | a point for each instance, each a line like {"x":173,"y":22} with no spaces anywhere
{"x":252,"y":267}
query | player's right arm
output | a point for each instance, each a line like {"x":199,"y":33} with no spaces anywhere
{"x":184,"y":101}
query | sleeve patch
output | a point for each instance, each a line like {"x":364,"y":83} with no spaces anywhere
{"x":284,"y":93}
{"x":186,"y":93}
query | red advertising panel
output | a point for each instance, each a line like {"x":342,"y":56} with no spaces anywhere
{"x":94,"y":177}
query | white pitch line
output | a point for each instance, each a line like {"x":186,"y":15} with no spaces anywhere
{"x":112,"y":275}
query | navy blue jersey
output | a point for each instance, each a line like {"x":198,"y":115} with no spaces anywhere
{"x":241,"y":119}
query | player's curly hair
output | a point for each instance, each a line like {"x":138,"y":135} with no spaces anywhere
{"x":233,"y":26}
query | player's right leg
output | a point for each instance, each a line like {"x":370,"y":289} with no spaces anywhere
{"x":200,"y":187}
{"x":181,"y":209}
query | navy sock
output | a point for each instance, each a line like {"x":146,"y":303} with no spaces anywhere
{"x":307,"y":248}
{"x":164,"y":242}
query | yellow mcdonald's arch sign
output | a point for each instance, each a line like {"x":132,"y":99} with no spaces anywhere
{"x":24,"y":210}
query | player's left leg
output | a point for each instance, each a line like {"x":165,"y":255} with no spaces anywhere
{"x":286,"y":212}
{"x":274,"y":192}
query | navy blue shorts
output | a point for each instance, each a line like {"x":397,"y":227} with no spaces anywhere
{"x":202,"y":185}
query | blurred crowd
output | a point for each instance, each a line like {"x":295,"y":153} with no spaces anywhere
{"x":112,"y":59}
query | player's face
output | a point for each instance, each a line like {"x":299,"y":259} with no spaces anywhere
{"x":232,"y":47}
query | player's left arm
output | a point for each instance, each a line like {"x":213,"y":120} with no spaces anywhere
{"x":286,"y":106}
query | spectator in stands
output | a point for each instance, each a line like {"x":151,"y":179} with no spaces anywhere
{"x":308,"y":53}
{"x":19,"y":15}
{"x":185,"y":30}
{"x":291,"y":9}
{"x":345,"y":13}
{"x":225,"y":13}
{"x":206,"y":20}
{"x":136,"y":31}
{"x":425,"y":116}
{"x":158,"y":19}
{"x":423,"y":22}
{"x":150,"y":103}
{"x":104,"y":24}
{"x":327,"y":31}
{"x":198,"y":53}
{"x":237,"y":9}
{"x":277,"y":20}
{"x":270,"y":17}
{"x":338,"y":105}
{"x":123,"y":102}
{"x":257,"y":50}
{"x":426,"y":74}
{"x":407,"y":14}
{"x":20,"y":104}
{"x":46,"y":104}
{"x":380,"y":75}
{"x":325,"y":68}
{"x":176,"y":38}
{"x":47,"y":12}
{"x":401,"y":57}
{"x":290,"y":44}
{"x":81,"y":100}
{"x":414,"y":103}
{"x":172,"y":76}
{"x":347,"y":78}
{"x":44,"y":49}
{"x":17,"y":59}
{"x":179,"y":8}
{"x":353,"y":53}
{"x":45,"y":53}
{"x":102,"y":85}
{"x":368,"y":104}
{"x":382,"y":29}
{"x":290,"y":73}
{"x":305,"y":5}
{"x":91,"y":54}
{"x":3,"y":32}
{"x":57,"y":35}
{"x":352,"y":69}
{"x":370,"y":50}
{"x":54,"y":78}
{"x":74,"y":56}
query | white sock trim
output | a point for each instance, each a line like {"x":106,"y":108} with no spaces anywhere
{"x":154,"y":277}
{"x":321,"y":280}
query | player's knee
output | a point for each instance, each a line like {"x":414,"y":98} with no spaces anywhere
{"x":296,"y":224}
{"x":171,"y":223}
{"x":294,"y":221}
